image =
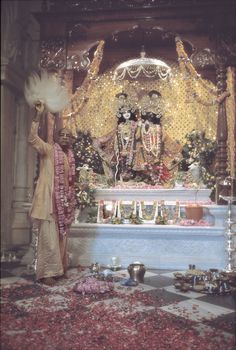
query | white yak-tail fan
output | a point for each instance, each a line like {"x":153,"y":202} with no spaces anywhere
{"x":46,"y":88}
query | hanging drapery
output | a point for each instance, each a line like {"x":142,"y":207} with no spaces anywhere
{"x":80,"y":97}
{"x":187,"y":67}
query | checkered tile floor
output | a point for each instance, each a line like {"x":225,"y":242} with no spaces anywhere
{"x":195,"y":306}
{"x":207,"y":311}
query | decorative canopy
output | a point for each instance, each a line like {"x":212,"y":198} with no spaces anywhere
{"x":142,"y":67}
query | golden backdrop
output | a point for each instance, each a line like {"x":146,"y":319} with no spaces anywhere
{"x":186,"y":104}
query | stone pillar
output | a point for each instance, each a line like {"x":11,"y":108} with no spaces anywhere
{"x":18,"y":58}
{"x":22,"y":192}
{"x":8,"y":127}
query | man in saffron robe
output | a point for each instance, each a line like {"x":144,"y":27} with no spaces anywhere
{"x":53,"y":202}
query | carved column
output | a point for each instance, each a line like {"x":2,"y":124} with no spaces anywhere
{"x":11,"y":87}
{"x":8,"y":112}
{"x":221,"y":168}
{"x":18,"y":55}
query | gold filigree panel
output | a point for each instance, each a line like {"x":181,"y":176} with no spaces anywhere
{"x":187,"y":105}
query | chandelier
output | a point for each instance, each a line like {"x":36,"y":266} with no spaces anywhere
{"x":142,"y":67}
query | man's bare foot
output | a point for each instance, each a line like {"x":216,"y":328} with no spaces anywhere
{"x":48,"y":281}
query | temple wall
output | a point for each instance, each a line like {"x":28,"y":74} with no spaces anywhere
{"x":19,"y":43}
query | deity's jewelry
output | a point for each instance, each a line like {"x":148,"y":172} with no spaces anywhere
{"x":127,"y":115}
{"x":149,"y":105}
{"x":126,"y":133}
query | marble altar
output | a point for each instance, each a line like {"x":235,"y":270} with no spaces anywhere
{"x":157,"y":246}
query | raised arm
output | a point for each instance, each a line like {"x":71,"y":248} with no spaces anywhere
{"x":34,"y":140}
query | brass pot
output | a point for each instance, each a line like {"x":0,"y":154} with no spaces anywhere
{"x":136,"y":271}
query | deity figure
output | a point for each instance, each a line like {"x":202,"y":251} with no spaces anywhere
{"x":135,"y":150}
{"x":116,"y":148}
{"x":139,"y":148}
{"x":124,"y":144}
{"x":127,"y":144}
{"x":147,"y":161}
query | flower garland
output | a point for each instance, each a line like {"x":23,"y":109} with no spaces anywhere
{"x":85,"y":196}
{"x":64,"y":197}
{"x":135,"y":219}
{"x":126,"y":209}
{"x":90,"y":285}
{"x":159,"y":173}
{"x":177,"y":214}
{"x":116,"y":218}
{"x":152,"y":139}
{"x":147,"y":212}
{"x":162,"y":215}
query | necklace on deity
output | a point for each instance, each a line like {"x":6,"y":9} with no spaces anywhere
{"x":125,"y":134}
